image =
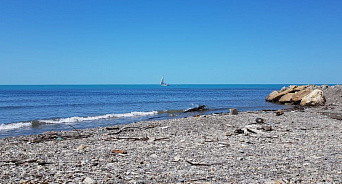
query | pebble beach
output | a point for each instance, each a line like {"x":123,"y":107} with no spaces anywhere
{"x":298,"y":145}
{"x":302,"y":147}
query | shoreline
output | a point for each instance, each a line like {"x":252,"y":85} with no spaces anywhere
{"x":83,"y":122}
{"x":302,"y":147}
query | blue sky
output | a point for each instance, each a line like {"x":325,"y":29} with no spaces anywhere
{"x":187,"y":41}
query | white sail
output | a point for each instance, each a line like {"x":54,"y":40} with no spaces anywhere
{"x":162,"y":80}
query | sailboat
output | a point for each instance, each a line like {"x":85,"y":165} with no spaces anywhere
{"x":162,"y":82}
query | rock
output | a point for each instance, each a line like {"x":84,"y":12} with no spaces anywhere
{"x":81,"y":147}
{"x":275,"y":96}
{"x":233,"y":112}
{"x":259,"y":120}
{"x":270,"y":97}
{"x":324,"y":87}
{"x":297,"y":97}
{"x":267,"y":128}
{"x":282,"y":89}
{"x":300,"y":88}
{"x":88,"y":180}
{"x":117,"y":151}
{"x":177,"y":158}
{"x":286,"y":98}
{"x":239,"y":131}
{"x":196,"y":109}
{"x":315,"y":98}
{"x":154,"y":156}
{"x":279,"y":112}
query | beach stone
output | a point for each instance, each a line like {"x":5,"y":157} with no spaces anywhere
{"x":259,"y":120}
{"x":154,"y":156}
{"x":81,"y":147}
{"x":286,"y":98}
{"x":88,"y":180}
{"x":177,"y":158}
{"x":315,"y":98}
{"x":239,"y":131}
{"x":233,"y":112}
{"x":279,"y":112}
{"x":267,"y":128}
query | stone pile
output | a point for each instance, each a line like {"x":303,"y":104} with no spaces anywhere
{"x":306,"y":95}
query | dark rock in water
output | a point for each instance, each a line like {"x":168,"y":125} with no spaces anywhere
{"x":233,"y":112}
{"x":276,"y":95}
{"x":259,"y":120}
{"x":195,"y":109}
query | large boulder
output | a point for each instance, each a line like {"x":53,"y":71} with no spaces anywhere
{"x":286,"y":98}
{"x":314,"y":98}
{"x":300,"y":88}
{"x":275,"y":95}
{"x":297,"y":97}
{"x":270,"y":97}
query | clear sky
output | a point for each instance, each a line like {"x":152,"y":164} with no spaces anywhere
{"x":187,"y":41}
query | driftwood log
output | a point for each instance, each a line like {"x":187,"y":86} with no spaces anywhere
{"x":195,"y":109}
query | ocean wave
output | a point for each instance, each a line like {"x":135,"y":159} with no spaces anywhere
{"x":73,"y":120}
{"x":14,"y":125}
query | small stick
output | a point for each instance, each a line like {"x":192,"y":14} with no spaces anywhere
{"x":74,"y":128}
{"x":202,"y":164}
{"x":133,"y":138}
{"x":161,"y":139}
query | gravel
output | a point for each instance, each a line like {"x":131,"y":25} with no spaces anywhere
{"x":297,"y":147}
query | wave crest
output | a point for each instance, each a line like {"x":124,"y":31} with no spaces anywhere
{"x":74,"y":119}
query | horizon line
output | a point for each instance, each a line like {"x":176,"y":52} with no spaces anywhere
{"x":173,"y":84}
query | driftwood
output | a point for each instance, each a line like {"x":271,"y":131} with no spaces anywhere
{"x":123,"y":129}
{"x":19,"y":162}
{"x":195,"y":109}
{"x":162,"y":139}
{"x":112,"y":128}
{"x":132,"y":138}
{"x":202,"y":164}
{"x":48,"y":137}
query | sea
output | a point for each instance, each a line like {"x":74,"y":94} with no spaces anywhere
{"x":34,"y":109}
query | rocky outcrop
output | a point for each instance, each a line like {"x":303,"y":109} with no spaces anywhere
{"x":270,"y":97}
{"x":306,"y":95}
{"x":314,"y":98}
{"x":297,"y":97}
{"x":286,"y":98}
{"x":276,"y":95}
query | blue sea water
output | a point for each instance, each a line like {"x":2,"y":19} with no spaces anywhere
{"x":26,"y":110}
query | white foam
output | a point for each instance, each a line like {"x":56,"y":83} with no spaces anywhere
{"x":76,"y":119}
{"x":93,"y":118}
{"x":14,"y":126}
